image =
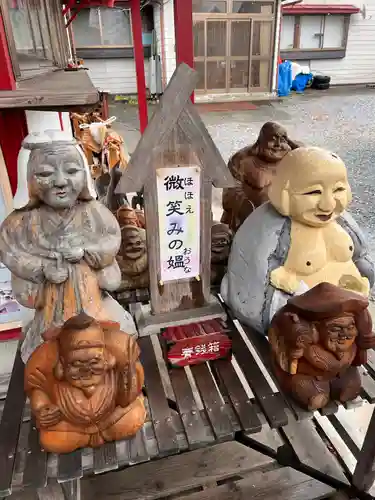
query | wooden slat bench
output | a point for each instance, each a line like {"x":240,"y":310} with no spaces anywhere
{"x":190,"y":410}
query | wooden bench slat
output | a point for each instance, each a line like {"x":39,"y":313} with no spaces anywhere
{"x":10,"y":425}
{"x":215,"y":408}
{"x":138,"y":449}
{"x":272,"y":404}
{"x":196,"y":431}
{"x":159,"y":409}
{"x":105,"y":458}
{"x":344,"y":434}
{"x":245,"y":411}
{"x":35,"y":473}
{"x":368,"y":384}
{"x":329,"y":409}
{"x":69,"y":466}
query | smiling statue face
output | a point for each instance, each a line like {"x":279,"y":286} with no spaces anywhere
{"x":59,"y":177}
{"x":311,"y":187}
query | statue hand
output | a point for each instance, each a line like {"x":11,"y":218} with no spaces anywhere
{"x":284,"y":280}
{"x":55,"y":274}
{"x":93,"y":259}
{"x":73,"y":254}
{"x":49,"y":415}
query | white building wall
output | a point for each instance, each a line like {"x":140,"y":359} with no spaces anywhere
{"x":358,"y":65}
{"x":164,"y":18}
{"x":116,"y":76}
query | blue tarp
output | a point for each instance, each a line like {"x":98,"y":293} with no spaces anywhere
{"x":300,"y":82}
{"x":285,"y":79}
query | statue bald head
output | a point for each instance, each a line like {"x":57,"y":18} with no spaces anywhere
{"x":311,"y":186}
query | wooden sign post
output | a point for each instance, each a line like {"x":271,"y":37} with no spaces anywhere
{"x":176,"y":162}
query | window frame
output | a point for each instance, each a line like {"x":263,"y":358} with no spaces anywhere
{"x":297,"y":53}
{"x":57,"y":34}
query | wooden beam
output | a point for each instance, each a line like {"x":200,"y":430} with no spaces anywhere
{"x":183,"y":26}
{"x":364,"y":473}
{"x":139,"y":63}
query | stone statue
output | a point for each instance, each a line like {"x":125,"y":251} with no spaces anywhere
{"x":61,"y":245}
{"x":221,"y":239}
{"x":133,"y":259}
{"x":253,"y":167}
{"x":317,"y":340}
{"x":300,"y":238}
{"x":85,"y":385}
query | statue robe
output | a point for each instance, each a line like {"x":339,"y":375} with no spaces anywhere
{"x":32,"y":239}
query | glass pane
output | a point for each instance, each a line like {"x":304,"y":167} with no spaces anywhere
{"x":209,"y":6}
{"x":198,"y":29}
{"x":240,"y":41}
{"x":239,"y":74}
{"x":199,"y":67}
{"x":334,"y":32}
{"x":311,"y":32}
{"x":31,"y":35}
{"x":260,"y":75}
{"x":250,"y":7}
{"x":116,"y":26}
{"x":86,"y":28}
{"x":262,"y":38}
{"x":216,"y":75}
{"x":287,"y":32}
{"x":216,"y":38}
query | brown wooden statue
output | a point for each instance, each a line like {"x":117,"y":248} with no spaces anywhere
{"x":221,"y":240}
{"x":132,"y":258}
{"x":85,"y":385}
{"x":318,"y":339}
{"x":253,"y":168}
{"x":128,"y":216}
{"x":61,"y":246}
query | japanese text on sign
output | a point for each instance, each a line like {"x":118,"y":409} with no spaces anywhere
{"x":179,"y":222}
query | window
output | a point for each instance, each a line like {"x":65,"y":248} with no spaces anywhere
{"x":102,"y":27}
{"x":35,"y":33}
{"x":314,"y":36}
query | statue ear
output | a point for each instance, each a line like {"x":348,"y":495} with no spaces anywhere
{"x":59,"y":370}
{"x":280,"y":198}
{"x":111,"y":360}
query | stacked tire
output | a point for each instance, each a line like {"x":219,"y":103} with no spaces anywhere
{"x":321,"y":82}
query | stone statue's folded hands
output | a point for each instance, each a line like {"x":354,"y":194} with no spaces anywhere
{"x":55,"y":274}
{"x":49,"y":415}
{"x":285,"y":280}
{"x":73,"y":254}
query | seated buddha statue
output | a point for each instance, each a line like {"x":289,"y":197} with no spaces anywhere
{"x":318,"y":339}
{"x":253,"y":168}
{"x":61,"y":245}
{"x":302,"y":237}
{"x":85,"y":385}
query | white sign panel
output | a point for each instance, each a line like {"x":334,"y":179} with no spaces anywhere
{"x":178,"y":191}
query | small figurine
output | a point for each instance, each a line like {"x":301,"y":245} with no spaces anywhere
{"x":300,"y":238}
{"x":253,"y":167}
{"x":85,"y":385}
{"x":318,"y":339}
{"x":61,"y":246}
{"x":132,"y":258}
{"x":221,"y":239}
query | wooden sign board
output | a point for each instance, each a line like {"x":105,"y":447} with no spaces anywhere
{"x":176,"y":162}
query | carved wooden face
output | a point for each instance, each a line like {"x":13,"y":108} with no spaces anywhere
{"x":133,"y":243}
{"x":220,"y":246}
{"x":273,"y":142}
{"x":58,"y":177}
{"x":338,"y":334}
{"x":85,"y":367}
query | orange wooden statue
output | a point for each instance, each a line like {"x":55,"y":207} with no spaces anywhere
{"x":85,"y":385}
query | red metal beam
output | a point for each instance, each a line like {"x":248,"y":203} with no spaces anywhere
{"x":183,"y":27}
{"x":13,"y":128}
{"x":139,"y":63}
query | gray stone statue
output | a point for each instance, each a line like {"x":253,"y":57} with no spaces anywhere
{"x":61,"y":246}
{"x":302,"y":237}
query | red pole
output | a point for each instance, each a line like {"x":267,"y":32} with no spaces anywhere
{"x":139,"y":63}
{"x":183,"y":27}
{"x":13,"y":128}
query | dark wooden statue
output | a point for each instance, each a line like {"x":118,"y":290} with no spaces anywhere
{"x":253,"y":168}
{"x":85,"y":385}
{"x":318,"y":339}
{"x":221,"y":240}
{"x":132,"y":258}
